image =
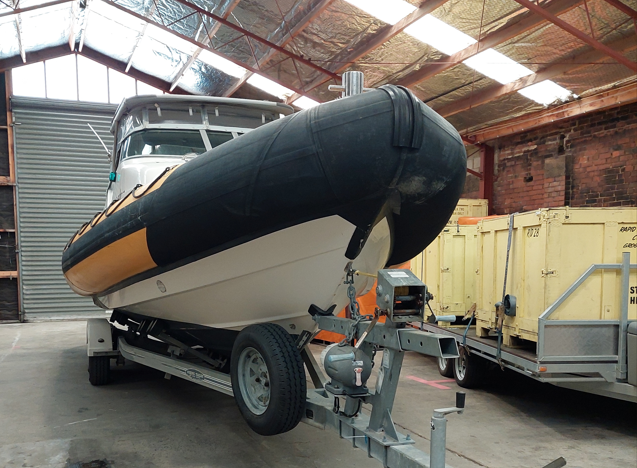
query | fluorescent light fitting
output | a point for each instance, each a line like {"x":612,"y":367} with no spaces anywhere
{"x":389,"y":11}
{"x":220,"y":63}
{"x":439,"y":34}
{"x":497,"y":66}
{"x":305,"y":102}
{"x":170,"y":39}
{"x":269,"y":86}
{"x":546,"y":92}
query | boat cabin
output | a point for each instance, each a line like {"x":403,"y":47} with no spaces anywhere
{"x":155,"y":132}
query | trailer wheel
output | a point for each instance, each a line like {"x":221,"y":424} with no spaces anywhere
{"x":268,"y":379}
{"x":445,"y":367}
{"x":468,"y":369}
{"x":99,"y":370}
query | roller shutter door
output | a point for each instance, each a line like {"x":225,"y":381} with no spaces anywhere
{"x":62,"y":175}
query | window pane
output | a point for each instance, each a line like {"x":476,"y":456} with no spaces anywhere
{"x":29,"y":80}
{"x":93,"y":82}
{"x":165,"y":143}
{"x":61,"y":78}
{"x":143,"y":88}
{"x":217,"y":138}
{"x":120,"y":85}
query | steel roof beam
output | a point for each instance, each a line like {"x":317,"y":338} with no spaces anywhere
{"x":33,"y":57}
{"x":578,"y":34}
{"x":257,"y":38}
{"x":18,"y":27}
{"x":121,"y":67}
{"x":564,"y":66}
{"x":520,"y":24}
{"x":87,"y":14}
{"x":17,"y":11}
{"x":295,"y":31}
{"x":605,"y":100}
{"x":347,"y":57}
{"x":192,"y":41}
{"x":150,"y":11}
{"x":74,"y":9}
{"x":211,"y":34}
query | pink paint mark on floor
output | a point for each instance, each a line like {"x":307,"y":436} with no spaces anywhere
{"x":433,"y":383}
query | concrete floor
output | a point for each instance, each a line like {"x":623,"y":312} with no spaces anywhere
{"x":50,"y":416}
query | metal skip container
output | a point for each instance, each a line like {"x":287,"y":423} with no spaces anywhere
{"x":448,"y":267}
{"x":469,"y":207}
{"x":550,"y":250}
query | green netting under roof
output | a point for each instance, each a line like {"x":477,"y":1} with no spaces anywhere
{"x":9,"y":45}
{"x":395,"y":58}
{"x":291,"y":72}
{"x":112,"y":32}
{"x":233,"y":44}
{"x":341,"y":26}
{"x":180,"y":18}
{"x":459,"y":79}
{"x":330,"y":36}
{"x":594,"y":76}
{"x":471,"y":18}
{"x":202,"y":78}
{"x":294,"y":12}
{"x":54,"y":20}
{"x":499,"y":110}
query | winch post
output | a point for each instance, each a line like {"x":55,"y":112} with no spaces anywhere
{"x":439,"y":431}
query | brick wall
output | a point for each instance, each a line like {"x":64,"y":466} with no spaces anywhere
{"x":585,"y":161}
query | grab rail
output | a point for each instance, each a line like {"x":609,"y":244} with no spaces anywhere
{"x":625,"y":268}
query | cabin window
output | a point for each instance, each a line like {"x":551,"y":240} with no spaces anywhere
{"x":164,"y":143}
{"x":216,"y":137}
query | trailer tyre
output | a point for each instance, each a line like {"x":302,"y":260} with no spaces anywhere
{"x":99,"y":370}
{"x":445,"y":367}
{"x":268,"y":379}
{"x":468,"y":369}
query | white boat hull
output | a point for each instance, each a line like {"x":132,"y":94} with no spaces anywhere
{"x":274,"y":278}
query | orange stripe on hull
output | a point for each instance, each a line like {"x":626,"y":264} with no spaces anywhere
{"x":116,"y":262}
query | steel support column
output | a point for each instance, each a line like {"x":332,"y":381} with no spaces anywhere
{"x":486,"y":168}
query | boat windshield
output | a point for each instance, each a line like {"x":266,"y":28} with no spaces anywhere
{"x":159,"y":142}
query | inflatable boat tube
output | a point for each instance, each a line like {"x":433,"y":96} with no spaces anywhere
{"x":381,"y":154}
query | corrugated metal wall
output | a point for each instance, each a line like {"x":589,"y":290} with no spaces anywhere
{"x":62,"y":174}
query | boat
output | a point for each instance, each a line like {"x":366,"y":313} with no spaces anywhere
{"x":222,"y":213}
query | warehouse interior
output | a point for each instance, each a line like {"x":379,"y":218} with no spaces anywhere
{"x":533,"y":278}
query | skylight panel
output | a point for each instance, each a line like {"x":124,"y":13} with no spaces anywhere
{"x":143,"y":88}
{"x":269,"y":86}
{"x":440,"y":35}
{"x":389,"y":11}
{"x":546,"y":92}
{"x":170,"y":40}
{"x":93,"y":81}
{"x":28,"y":80}
{"x":497,"y":66}
{"x":220,"y":63}
{"x":120,"y":86}
{"x":61,"y":78}
{"x":305,"y":102}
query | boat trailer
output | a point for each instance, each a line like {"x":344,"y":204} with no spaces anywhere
{"x":337,"y":399}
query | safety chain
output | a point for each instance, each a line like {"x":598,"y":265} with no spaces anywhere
{"x":354,"y":306}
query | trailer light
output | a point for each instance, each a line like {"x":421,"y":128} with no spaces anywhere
{"x":542,"y":369}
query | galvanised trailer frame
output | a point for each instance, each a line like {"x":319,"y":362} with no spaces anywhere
{"x":584,"y":355}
